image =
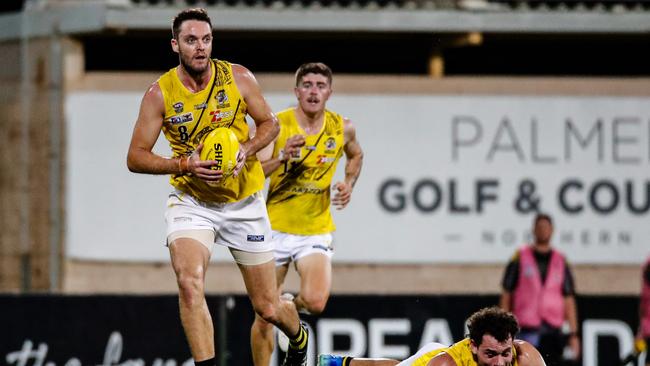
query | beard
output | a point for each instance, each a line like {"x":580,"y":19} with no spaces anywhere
{"x":186,"y":62}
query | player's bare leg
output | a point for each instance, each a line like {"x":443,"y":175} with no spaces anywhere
{"x":315,"y":272}
{"x":262,"y":332}
{"x":262,"y":289}
{"x":189,"y":260}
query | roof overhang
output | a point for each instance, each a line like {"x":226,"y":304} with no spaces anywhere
{"x":99,"y":17}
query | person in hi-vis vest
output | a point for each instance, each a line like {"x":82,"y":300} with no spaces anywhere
{"x":538,"y":288}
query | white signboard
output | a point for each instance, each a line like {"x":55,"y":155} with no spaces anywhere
{"x":445,"y":178}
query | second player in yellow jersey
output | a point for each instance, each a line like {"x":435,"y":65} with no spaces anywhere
{"x":301,"y":162}
{"x":299,"y":191}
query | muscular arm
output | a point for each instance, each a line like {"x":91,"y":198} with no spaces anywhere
{"x":353,"y":153}
{"x":258,"y":109}
{"x":140,"y":158}
{"x":270,"y":163}
{"x":353,"y":163}
{"x":527,"y":355}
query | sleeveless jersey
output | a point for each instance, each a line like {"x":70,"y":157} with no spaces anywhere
{"x":460,"y":352}
{"x":299,"y":191}
{"x":184,"y":131}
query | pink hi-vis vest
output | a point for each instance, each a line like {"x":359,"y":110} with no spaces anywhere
{"x":534,"y":301}
{"x":645,"y":303}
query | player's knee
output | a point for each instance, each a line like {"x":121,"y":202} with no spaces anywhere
{"x":190,"y":287}
{"x":267,"y":312}
{"x":314,"y":303}
{"x":262,"y":327}
{"x":261,"y":324}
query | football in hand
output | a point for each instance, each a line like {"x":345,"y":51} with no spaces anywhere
{"x":221,"y":145}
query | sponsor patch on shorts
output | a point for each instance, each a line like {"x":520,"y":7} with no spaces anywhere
{"x":255,"y":238}
{"x":321,"y":247}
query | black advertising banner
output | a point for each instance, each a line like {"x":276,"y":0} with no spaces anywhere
{"x":91,"y":330}
{"x":146,"y":330}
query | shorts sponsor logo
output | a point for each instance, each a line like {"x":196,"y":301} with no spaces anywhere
{"x":182,"y":219}
{"x":183,"y":118}
{"x":178,"y":107}
{"x":255,"y":238}
{"x":321,"y":247}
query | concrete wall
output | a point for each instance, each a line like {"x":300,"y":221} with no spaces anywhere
{"x":25,"y":168}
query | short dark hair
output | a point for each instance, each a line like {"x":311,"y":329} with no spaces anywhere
{"x":494,"y":321}
{"x":189,"y":14}
{"x":314,"y":68}
{"x":542,"y":216}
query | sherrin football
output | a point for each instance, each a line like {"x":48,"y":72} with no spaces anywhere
{"x":221,"y":145}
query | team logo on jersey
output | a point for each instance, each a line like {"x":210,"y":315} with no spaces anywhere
{"x":178,"y":107}
{"x":201,"y":106}
{"x":222,"y":99}
{"x":183,"y":118}
{"x":255,"y":238}
{"x":330,"y":143}
{"x":218,"y":115}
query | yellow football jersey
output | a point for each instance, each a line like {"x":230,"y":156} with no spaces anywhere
{"x":299,"y":191}
{"x":460,"y":352}
{"x":182,"y":127}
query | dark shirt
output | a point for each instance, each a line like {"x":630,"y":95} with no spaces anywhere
{"x":646,"y":275}
{"x":511,"y":275}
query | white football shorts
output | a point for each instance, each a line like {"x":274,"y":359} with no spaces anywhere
{"x":243,"y":225}
{"x":290,"y":247}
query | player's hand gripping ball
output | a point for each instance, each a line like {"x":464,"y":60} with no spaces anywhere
{"x":221,"y":145}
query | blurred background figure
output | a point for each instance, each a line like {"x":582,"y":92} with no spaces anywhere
{"x":538,"y":288}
